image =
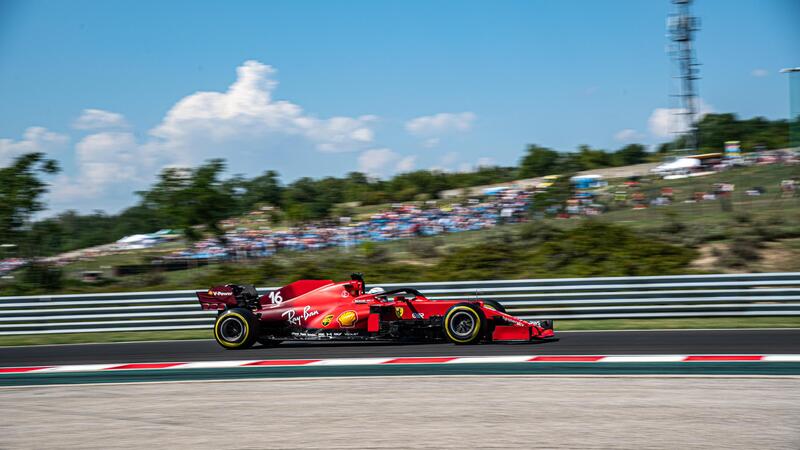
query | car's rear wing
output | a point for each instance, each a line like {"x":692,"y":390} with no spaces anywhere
{"x":217,"y":298}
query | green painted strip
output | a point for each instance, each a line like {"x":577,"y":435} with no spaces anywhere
{"x":677,"y":368}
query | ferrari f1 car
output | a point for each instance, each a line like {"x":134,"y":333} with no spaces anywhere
{"x":324,"y":310}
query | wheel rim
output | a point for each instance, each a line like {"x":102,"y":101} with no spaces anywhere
{"x":231,"y":329}
{"x":462,"y":324}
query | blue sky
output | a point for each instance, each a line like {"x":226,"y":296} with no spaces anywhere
{"x":325,"y":87}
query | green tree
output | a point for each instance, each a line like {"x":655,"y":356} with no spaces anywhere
{"x":630,"y":154}
{"x":183,"y":198}
{"x":265,"y":188}
{"x":21,"y":192}
{"x":538,"y":161}
{"x":592,"y":159}
{"x":716,"y":129}
{"x":308,"y":199}
{"x":357,"y":186}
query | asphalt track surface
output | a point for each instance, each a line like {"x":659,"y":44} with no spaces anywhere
{"x":572,"y":343}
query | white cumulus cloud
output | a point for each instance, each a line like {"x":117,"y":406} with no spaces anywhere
{"x":407,"y":163}
{"x":247,"y":109}
{"x":107,"y":162}
{"x":441,"y":123}
{"x":34,"y":139}
{"x":664,"y":122}
{"x":482,"y":162}
{"x":485,"y":161}
{"x":108,"y":157}
{"x":380,"y":162}
{"x":244,"y":124}
{"x":93,"y":119}
{"x":449,"y":158}
{"x":627,"y":135}
{"x":430,"y":143}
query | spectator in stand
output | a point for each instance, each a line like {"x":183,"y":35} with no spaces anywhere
{"x":400,"y":222}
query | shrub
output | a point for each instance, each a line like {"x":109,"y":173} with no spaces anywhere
{"x":482,"y":261}
{"x":745,"y":249}
{"x":740,"y":253}
{"x":374,"y":253}
{"x":43,"y":276}
{"x":423,"y":248}
{"x":153,"y":279}
{"x":537,"y":231}
{"x":673,"y":226}
{"x":600,"y":249}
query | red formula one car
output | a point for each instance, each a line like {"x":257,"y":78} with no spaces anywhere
{"x":324,"y":310}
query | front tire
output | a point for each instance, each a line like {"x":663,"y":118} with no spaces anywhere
{"x":463,"y":324}
{"x":491,"y":304}
{"x":236,"y":329}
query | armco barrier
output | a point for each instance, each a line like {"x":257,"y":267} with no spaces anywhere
{"x":772,"y":294}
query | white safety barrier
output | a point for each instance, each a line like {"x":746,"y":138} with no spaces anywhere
{"x":743,"y":295}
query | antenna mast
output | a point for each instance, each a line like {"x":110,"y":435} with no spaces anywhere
{"x":682,"y":26}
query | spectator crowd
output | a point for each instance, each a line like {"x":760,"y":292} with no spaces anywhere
{"x":402,"y":221}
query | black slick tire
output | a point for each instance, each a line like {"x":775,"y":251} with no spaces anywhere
{"x":464,"y":324}
{"x":236,"y":329}
{"x":491,"y":304}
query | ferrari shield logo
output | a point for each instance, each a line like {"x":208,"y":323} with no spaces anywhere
{"x":399,"y":311}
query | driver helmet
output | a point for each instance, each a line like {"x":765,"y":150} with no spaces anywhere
{"x":377,"y":292}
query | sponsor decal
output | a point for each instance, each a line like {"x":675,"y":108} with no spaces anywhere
{"x":515,"y":321}
{"x":347,"y":319}
{"x":399,"y":311}
{"x":418,"y":315}
{"x":325,"y":334}
{"x":275,"y":297}
{"x":220,"y":293}
{"x":297,"y":319}
{"x":345,"y":294}
{"x":327,"y":320}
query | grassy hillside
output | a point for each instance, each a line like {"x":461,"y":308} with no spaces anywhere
{"x":742,"y":234}
{"x":745,"y":234}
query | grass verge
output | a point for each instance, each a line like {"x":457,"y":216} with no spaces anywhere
{"x":698,"y":323}
{"x":90,"y":338}
{"x":561,"y":325}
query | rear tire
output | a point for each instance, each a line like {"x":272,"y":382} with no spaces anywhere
{"x":236,"y":329}
{"x":464,"y":324}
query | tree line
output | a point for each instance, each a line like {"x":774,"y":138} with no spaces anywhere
{"x":753,"y":134}
{"x":185,"y":198}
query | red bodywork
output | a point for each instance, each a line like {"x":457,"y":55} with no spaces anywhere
{"x":324,"y":310}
